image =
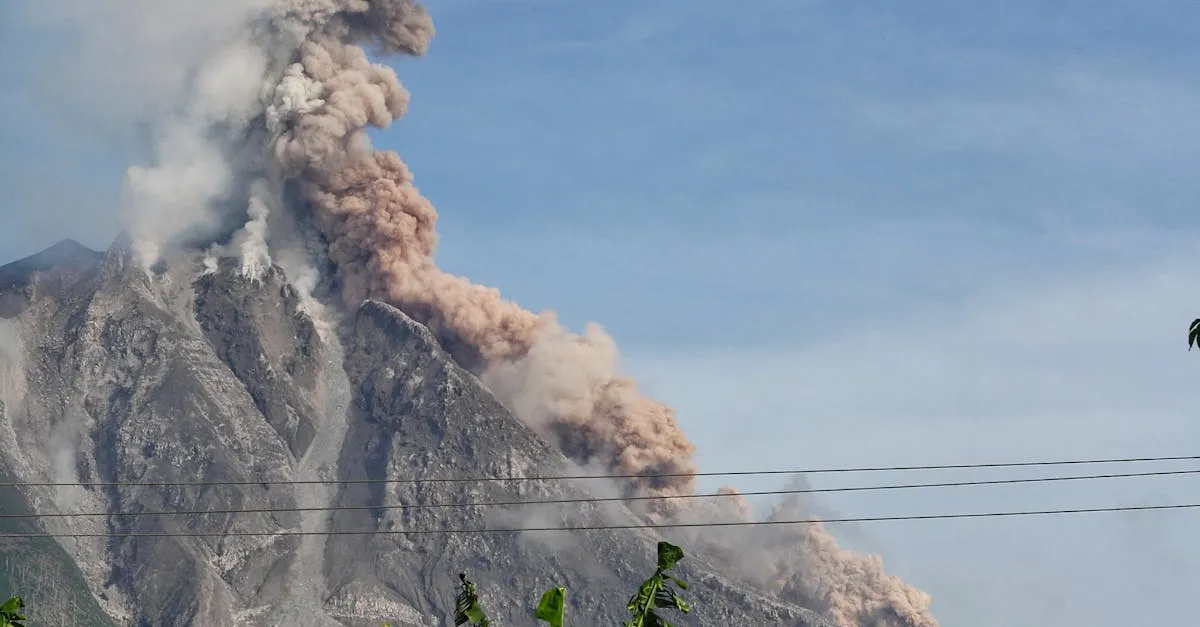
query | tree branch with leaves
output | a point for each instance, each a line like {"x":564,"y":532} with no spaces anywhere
{"x":656,"y":592}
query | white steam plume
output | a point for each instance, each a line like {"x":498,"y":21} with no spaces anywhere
{"x":251,"y":241}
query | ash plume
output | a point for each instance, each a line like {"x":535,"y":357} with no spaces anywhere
{"x":266,"y":142}
{"x":261,"y":152}
{"x":805,"y":563}
{"x":381,"y":236}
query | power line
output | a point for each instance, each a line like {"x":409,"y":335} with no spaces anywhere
{"x":738,"y":473}
{"x":754,"y":523}
{"x":333,"y":508}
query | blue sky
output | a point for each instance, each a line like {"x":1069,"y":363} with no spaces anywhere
{"x":830,"y":234}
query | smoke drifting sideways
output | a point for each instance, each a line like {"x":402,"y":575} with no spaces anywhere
{"x":254,"y":114}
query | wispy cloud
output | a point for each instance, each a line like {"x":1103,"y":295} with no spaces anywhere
{"x":1051,"y":112}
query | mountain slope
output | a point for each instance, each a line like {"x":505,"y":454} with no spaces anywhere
{"x":200,"y":375}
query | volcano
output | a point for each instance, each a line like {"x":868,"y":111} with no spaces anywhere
{"x":200,"y":397}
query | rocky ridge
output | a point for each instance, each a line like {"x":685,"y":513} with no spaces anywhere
{"x":200,"y":375}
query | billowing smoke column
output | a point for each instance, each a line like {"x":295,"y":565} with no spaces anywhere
{"x":271,"y":137}
{"x":301,"y":126}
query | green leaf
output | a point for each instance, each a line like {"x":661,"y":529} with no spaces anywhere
{"x":552,"y":606}
{"x":679,"y":582}
{"x":668,"y":555}
{"x":12,"y":605}
{"x":475,"y":613}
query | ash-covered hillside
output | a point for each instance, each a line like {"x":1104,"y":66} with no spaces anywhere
{"x":197,"y":374}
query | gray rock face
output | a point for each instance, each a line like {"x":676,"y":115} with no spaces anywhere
{"x":204,"y":376}
{"x":269,"y":345}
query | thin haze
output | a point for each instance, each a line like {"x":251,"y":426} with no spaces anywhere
{"x":951,"y":208}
